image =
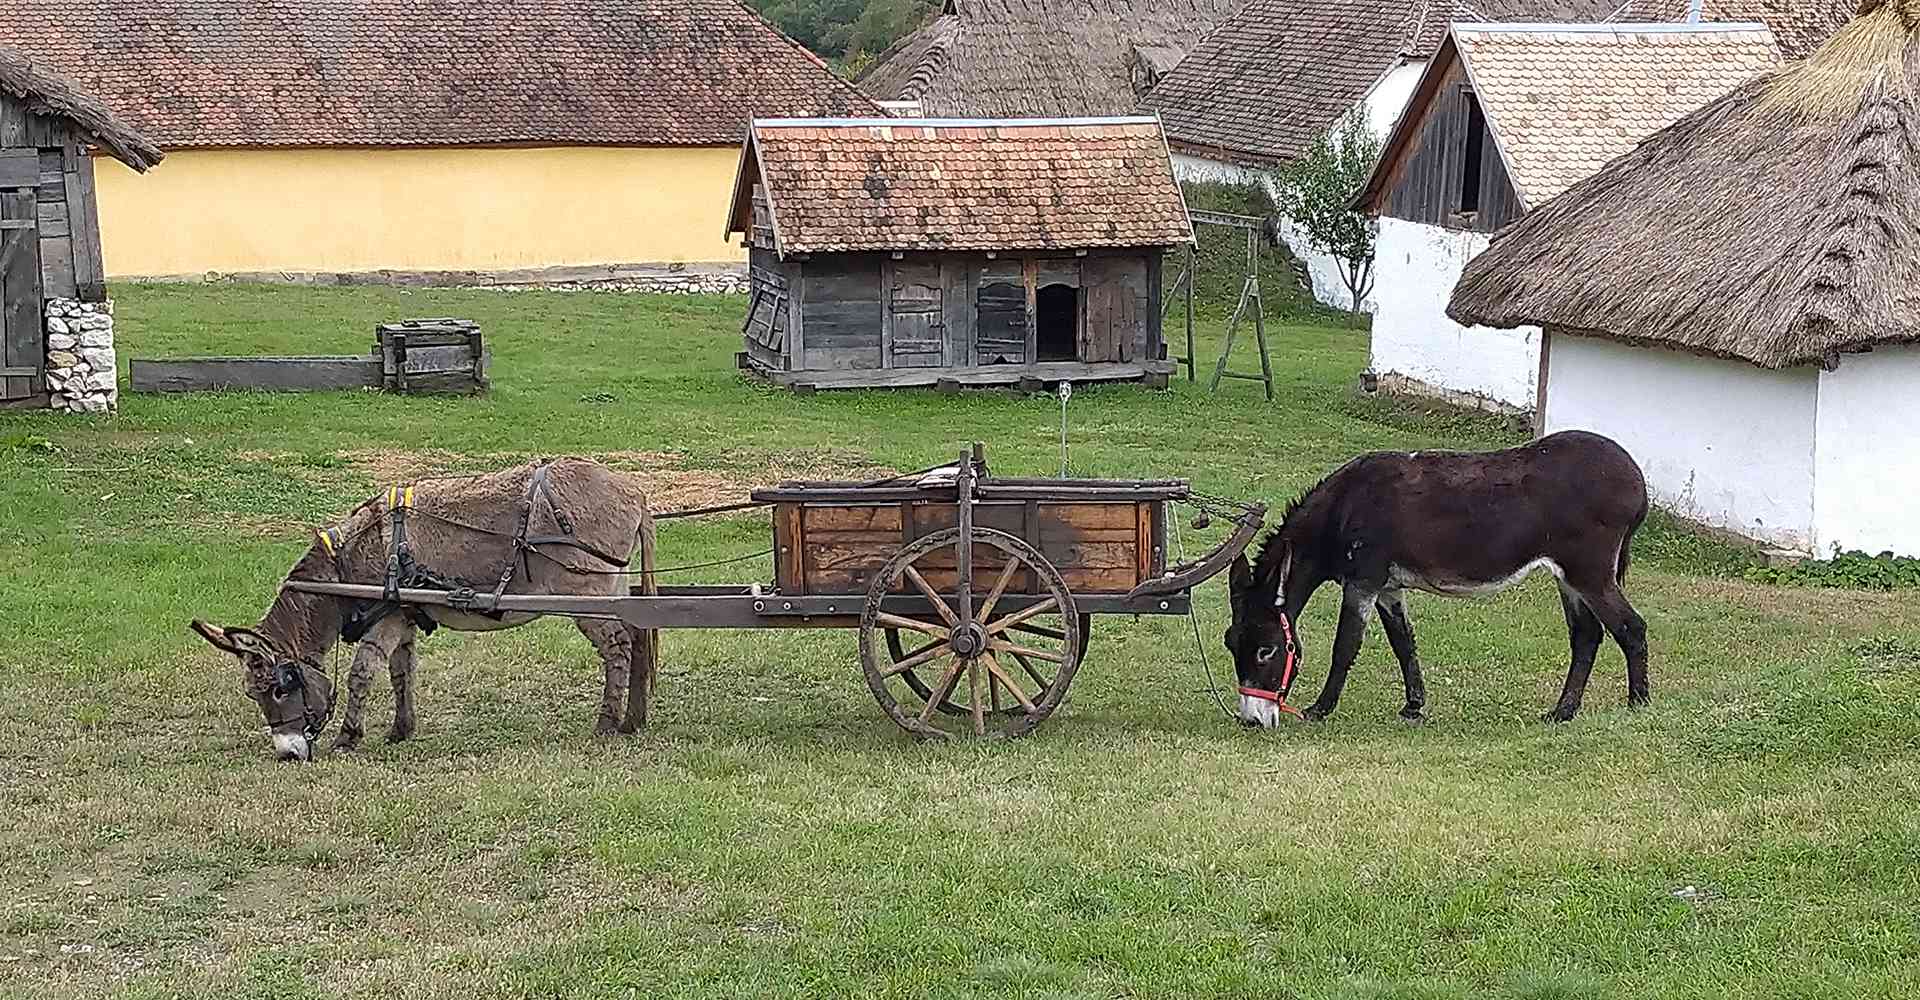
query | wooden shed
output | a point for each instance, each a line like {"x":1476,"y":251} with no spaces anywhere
{"x":49,"y":225}
{"x":965,"y":251}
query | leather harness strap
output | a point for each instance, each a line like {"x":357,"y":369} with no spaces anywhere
{"x":1279,"y":697}
{"x":403,"y":572}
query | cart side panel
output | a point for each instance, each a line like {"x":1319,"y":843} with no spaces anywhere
{"x":845,"y":543}
{"x":1094,"y":545}
{"x":1099,"y":547}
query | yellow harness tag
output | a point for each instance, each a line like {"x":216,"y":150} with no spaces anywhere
{"x":326,"y":541}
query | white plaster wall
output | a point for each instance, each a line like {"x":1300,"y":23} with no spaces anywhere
{"x":1206,"y":171}
{"x":1389,"y":97}
{"x":1417,"y":267}
{"x":1721,"y":442}
{"x":1384,"y":104}
{"x":1867,"y":454}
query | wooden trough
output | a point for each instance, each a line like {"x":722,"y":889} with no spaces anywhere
{"x":413,"y":356}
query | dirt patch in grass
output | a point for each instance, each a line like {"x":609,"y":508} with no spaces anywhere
{"x":670,"y":482}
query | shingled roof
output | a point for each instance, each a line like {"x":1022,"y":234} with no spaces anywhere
{"x":48,"y":93}
{"x":1562,"y":100}
{"x":1778,"y":225}
{"x":961,"y":184}
{"x":1039,"y":57}
{"x":1280,"y":72}
{"x":431,"y":72}
{"x":1799,"y":26}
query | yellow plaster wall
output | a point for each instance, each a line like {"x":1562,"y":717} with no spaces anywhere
{"x":486,"y":209}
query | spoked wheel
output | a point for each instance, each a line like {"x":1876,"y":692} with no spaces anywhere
{"x":988,"y":674}
{"x":901,"y":647}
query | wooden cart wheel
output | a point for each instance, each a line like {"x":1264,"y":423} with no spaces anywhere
{"x":1002,"y":679}
{"x":897,"y":648}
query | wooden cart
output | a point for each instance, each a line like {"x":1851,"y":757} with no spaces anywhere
{"x":973,"y":595}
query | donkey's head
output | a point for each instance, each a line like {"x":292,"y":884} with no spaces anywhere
{"x":1261,"y":638}
{"x":294,"y":697}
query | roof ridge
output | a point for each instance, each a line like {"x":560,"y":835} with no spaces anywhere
{"x":794,"y":43}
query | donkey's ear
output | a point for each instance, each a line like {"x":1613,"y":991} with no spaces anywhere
{"x":1239,"y":575}
{"x":1277,"y":576}
{"x":215,"y":635}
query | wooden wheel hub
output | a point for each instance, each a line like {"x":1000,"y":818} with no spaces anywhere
{"x":968,"y":641}
{"x":998,"y":637}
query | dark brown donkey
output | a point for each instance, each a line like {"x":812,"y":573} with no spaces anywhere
{"x":577,"y":523}
{"x":1450,"y":523}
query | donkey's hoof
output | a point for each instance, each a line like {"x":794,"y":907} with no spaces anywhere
{"x":1559,"y":714}
{"x":1315,"y":713}
{"x":346,"y":742}
{"x":1413,"y":714}
{"x":604,"y":726}
{"x":399,"y":733}
{"x":1641,"y":700}
{"x":631,"y":725}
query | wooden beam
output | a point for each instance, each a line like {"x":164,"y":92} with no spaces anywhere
{"x":283,"y":374}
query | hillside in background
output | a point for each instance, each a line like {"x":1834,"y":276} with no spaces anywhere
{"x":847,"y":32}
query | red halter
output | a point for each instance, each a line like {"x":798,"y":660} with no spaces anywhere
{"x":1279,"y":697}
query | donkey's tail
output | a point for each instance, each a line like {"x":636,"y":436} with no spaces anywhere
{"x":1626,"y":546}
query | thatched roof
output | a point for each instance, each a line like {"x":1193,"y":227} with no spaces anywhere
{"x":1039,"y":58}
{"x":48,"y":93}
{"x":1778,"y":225}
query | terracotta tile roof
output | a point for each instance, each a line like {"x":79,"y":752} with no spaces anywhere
{"x":1033,"y":58}
{"x":430,"y":72}
{"x":956,"y":184}
{"x":1561,"y":103}
{"x":1799,"y":26}
{"x":1279,"y":72}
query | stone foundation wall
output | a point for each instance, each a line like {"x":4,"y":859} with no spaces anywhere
{"x":82,"y":372}
{"x":719,"y":278}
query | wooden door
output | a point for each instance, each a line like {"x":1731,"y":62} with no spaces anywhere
{"x":1003,"y":319}
{"x":1117,"y":311}
{"x":916,"y":305}
{"x":23,"y":351}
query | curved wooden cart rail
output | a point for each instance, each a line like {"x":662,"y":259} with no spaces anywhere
{"x":1012,"y":683}
{"x":1181,"y":578}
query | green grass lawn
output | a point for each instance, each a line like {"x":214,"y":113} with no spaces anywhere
{"x":1753,"y":834}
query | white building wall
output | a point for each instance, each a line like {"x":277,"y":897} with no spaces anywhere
{"x":1417,"y":266}
{"x":1867,"y":454}
{"x":1724,"y":443}
{"x":1384,"y":104}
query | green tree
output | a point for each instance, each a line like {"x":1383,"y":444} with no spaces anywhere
{"x":846,"y":31}
{"x":1316,"y":191}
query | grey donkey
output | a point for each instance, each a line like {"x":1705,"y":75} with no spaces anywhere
{"x":458,"y":529}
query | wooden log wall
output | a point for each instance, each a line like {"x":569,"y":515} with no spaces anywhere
{"x":852,"y":312}
{"x":1429,"y":180}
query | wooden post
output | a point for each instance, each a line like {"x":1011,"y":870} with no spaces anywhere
{"x":1030,"y":269}
{"x":1193,"y":261}
{"x":1260,"y":336}
{"x":1540,"y":387}
{"x":963,"y":496}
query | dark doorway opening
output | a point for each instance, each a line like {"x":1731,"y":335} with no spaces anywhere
{"x":1475,"y":153}
{"x":1056,"y":321}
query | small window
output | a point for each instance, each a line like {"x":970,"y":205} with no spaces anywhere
{"x":1476,"y":146}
